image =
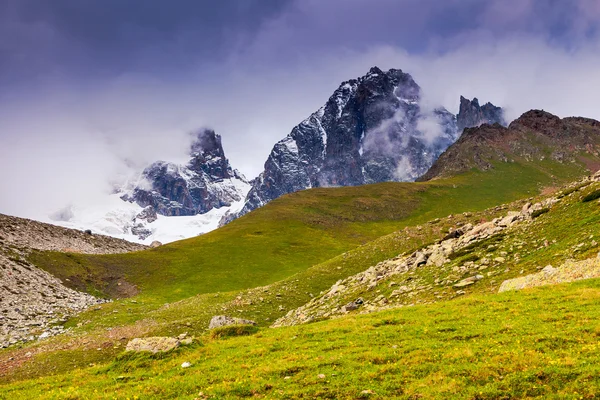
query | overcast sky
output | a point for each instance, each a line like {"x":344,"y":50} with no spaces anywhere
{"x":91,"y":90}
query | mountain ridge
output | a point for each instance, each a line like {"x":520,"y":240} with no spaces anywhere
{"x":372,"y":129}
{"x":536,"y":135}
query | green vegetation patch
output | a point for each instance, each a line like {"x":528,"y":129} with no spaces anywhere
{"x":539,"y":343}
{"x":591,"y":196}
{"x":539,"y":212}
{"x":233,"y":330}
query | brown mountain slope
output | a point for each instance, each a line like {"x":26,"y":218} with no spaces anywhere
{"x":537,"y":136}
{"x":33,"y":303}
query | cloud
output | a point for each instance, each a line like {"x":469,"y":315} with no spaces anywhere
{"x":78,"y":110}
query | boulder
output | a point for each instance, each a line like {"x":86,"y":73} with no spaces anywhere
{"x":223,"y":320}
{"x":468,"y":281}
{"x":152,"y":344}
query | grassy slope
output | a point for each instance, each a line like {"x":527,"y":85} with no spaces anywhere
{"x":296,"y":232}
{"x":569,"y":230}
{"x":145,"y":315}
{"x":540,"y":343}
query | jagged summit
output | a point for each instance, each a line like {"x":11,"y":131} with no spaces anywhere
{"x":535,"y":136}
{"x":372,"y":129}
{"x":208,"y":181}
{"x":471,"y":114}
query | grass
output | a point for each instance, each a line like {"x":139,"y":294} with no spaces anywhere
{"x":292,"y":234}
{"x":591,"y":196}
{"x":263,"y":264}
{"x":225,"y":272}
{"x":539,"y":343}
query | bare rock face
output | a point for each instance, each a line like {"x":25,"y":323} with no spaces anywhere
{"x":206,"y":182}
{"x":148,"y":214}
{"x":223,"y":320}
{"x":34,"y":304}
{"x":534,"y":136}
{"x":372,"y":129}
{"x":471,"y":114}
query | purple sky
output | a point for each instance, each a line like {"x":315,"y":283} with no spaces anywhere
{"x":91,"y":90}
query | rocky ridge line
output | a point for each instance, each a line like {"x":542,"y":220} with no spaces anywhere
{"x":325,"y":306}
{"x":372,"y":129}
{"x":33,"y":303}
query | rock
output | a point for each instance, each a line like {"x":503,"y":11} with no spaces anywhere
{"x":548,"y":270}
{"x":468,"y":281}
{"x":471,"y":114}
{"x":353,"y":305}
{"x":155,"y":243}
{"x":500,"y":260}
{"x":207,"y":181}
{"x":321,"y":376}
{"x":152,"y":344}
{"x":148,"y":214}
{"x":223,"y":320}
{"x":88,"y":231}
{"x":186,"y":365}
{"x":141,"y":231}
{"x":44,"y":335}
{"x":508,"y":220}
{"x":420,"y":259}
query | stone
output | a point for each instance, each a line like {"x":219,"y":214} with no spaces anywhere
{"x":321,"y":376}
{"x":468,"y":281}
{"x":223,"y":320}
{"x":155,"y":243}
{"x":548,"y":270}
{"x":152,"y":344}
{"x":186,"y":364}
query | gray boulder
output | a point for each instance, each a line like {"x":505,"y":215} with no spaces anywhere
{"x":222,"y":320}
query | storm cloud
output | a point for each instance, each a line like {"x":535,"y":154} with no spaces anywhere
{"x":92,"y":91}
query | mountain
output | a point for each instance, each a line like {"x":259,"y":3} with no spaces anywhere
{"x":206,"y":182}
{"x":198,"y":193}
{"x":372,"y":129}
{"x":471,"y":114}
{"x":535,"y":136}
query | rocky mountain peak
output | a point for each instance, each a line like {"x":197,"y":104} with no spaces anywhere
{"x":372,"y":129}
{"x":533,"y":137}
{"x":208,"y":181}
{"x":208,"y":155}
{"x":471,"y":114}
{"x":537,"y":119}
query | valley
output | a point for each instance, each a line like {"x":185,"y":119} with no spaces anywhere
{"x":312,"y":262}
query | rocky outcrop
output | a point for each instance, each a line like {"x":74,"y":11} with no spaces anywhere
{"x":158,"y":344}
{"x":208,"y":181}
{"x":372,"y":129}
{"x":471,"y":114}
{"x":219,"y":321}
{"x":34,"y":304}
{"x":570,"y":271}
{"x":436,"y":256}
{"x":535,"y":136}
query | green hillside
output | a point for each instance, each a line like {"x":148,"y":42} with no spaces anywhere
{"x":180,"y":289}
{"x":540,"y":343}
{"x":295,"y":232}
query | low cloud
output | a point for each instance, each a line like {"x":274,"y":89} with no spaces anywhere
{"x":70,"y":139}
